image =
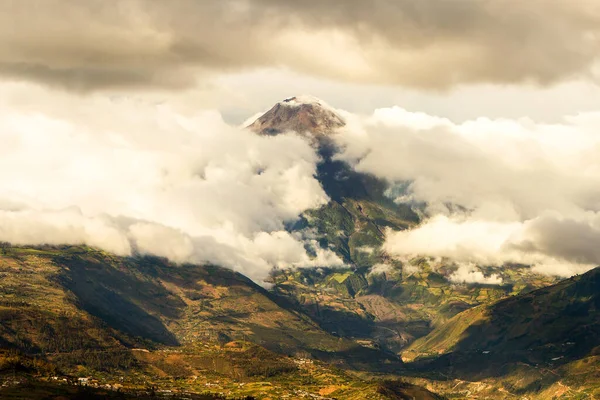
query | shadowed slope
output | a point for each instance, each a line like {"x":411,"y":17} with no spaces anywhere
{"x":123,"y":302}
{"x":537,"y":342}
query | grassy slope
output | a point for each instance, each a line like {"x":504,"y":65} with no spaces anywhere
{"x":550,"y":317}
{"x":389,"y":310}
{"x":116,"y":301}
{"x":353,"y":223}
{"x":89,"y":313}
{"x":393,"y":308}
{"x":545,"y":342}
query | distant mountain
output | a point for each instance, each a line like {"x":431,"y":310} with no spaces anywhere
{"x":305,"y":115}
{"x":386,"y":309}
{"x":359,"y":211}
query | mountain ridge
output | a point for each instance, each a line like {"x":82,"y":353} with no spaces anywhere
{"x":543,"y":342}
{"x":94,"y":315}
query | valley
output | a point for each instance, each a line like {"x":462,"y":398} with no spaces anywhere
{"x":79,"y":312}
{"x":78,"y":321}
{"x":299,"y":200}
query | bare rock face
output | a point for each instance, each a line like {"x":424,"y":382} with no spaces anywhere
{"x":305,"y":115}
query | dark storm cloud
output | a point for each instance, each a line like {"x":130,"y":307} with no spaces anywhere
{"x":95,"y":44}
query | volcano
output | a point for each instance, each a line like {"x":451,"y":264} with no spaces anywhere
{"x":305,"y":115}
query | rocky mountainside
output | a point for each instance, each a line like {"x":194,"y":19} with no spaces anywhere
{"x":305,"y":115}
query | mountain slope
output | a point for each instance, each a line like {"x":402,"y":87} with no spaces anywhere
{"x":384,"y":309}
{"x":397,"y":304}
{"x":111,"y":301}
{"x":359,"y":211}
{"x":547,"y":337}
{"x":536,"y":324}
{"x":88,"y":313}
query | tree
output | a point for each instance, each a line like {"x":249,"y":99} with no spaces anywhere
{"x":4,"y":247}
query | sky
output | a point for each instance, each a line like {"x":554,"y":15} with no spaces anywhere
{"x":120,"y":125}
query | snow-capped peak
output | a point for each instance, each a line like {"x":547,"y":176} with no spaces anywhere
{"x":305,"y":115}
{"x":306,"y":99}
{"x":302,"y":99}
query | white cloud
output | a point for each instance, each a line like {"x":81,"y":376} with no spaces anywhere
{"x":62,"y":226}
{"x":441,"y":236}
{"x":496,"y":190}
{"x":381,"y":268}
{"x":366,"y":249}
{"x":120,"y":172}
{"x":123,"y":174}
{"x":468,"y":273}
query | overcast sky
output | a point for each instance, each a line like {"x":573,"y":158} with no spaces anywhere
{"x":458,"y":58}
{"x":119,"y":123}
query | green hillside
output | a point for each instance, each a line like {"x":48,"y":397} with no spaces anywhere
{"x":77,"y":312}
{"x":530,"y":343}
{"x":392,"y":308}
{"x":354,"y":221}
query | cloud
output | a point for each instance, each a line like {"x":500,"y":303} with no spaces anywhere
{"x":562,"y":237}
{"x":496,"y":191}
{"x":60,"y":227}
{"x":92,"y":45}
{"x":466,"y":240}
{"x":470,"y":274}
{"x":127,"y":175}
{"x":380,"y":269}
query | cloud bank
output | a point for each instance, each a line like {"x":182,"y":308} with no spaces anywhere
{"x":92,"y":45}
{"x":126,"y":175}
{"x":497,"y":191}
{"x":129,"y":175}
